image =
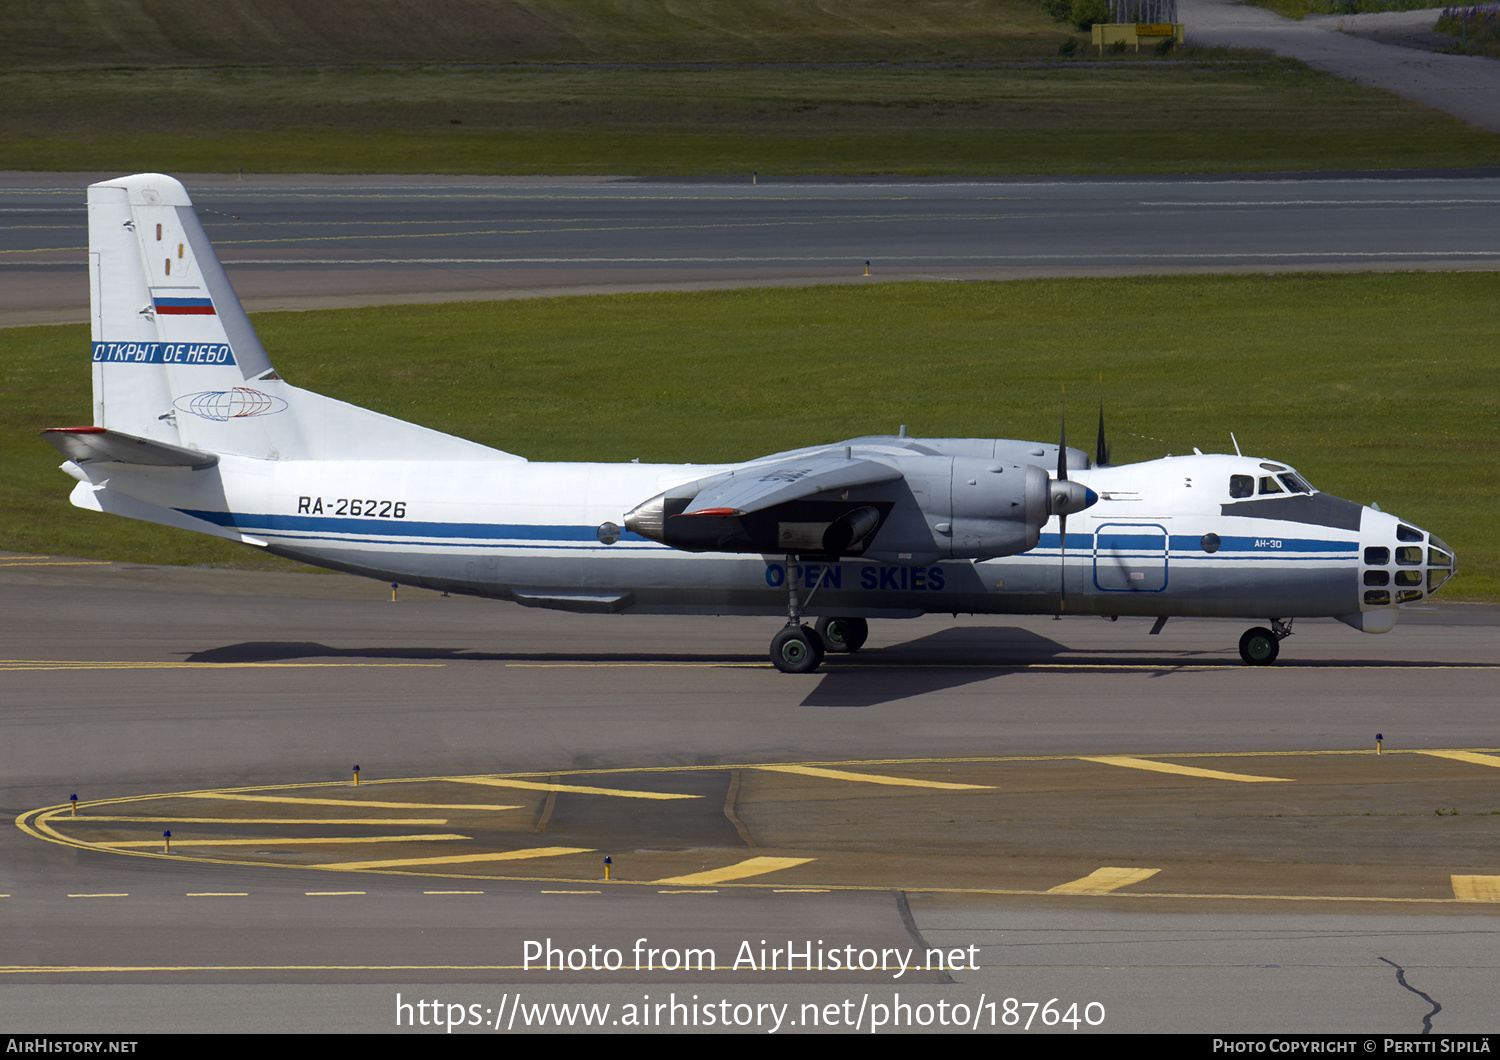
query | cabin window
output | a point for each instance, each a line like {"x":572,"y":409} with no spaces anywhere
{"x":1241,"y":486}
{"x":1210,"y":542}
{"x":1377,"y":556}
{"x":1268,"y":484}
{"x":1410,"y":556}
{"x":1377,"y":577}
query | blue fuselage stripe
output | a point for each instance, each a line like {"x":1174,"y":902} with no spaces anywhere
{"x":404,"y":528}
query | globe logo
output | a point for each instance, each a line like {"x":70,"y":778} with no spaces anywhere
{"x":221,"y":405}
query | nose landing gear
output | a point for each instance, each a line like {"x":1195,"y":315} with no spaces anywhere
{"x":1260,"y":646}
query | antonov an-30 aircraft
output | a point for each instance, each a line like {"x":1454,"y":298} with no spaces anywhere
{"x":194,"y":428}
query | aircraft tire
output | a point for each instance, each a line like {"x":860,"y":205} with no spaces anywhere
{"x":797,"y":650}
{"x":843,"y":635}
{"x":1259,"y":647}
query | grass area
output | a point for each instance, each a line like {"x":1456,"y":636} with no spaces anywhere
{"x":665,"y":88}
{"x":1377,"y":387}
{"x":280,"y":32}
{"x":1082,"y":116}
{"x":1299,"y":8}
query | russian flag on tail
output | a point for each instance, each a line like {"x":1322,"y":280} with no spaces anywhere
{"x":184,"y":306}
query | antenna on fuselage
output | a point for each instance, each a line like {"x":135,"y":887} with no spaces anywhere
{"x":1236,"y":442}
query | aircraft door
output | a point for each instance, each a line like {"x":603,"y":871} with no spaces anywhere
{"x":1130,"y":558}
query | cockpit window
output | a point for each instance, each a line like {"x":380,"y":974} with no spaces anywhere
{"x":1268,"y":484}
{"x":1407,"y":533}
{"x":1294,"y":482}
{"x":1241,"y":486}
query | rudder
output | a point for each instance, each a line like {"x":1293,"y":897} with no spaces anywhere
{"x":177,"y":361}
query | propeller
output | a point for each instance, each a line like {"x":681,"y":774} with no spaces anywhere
{"x":1064,"y":497}
{"x":1062,"y":517}
{"x":1101,"y":449}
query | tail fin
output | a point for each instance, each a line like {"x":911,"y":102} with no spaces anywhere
{"x":177,"y":361}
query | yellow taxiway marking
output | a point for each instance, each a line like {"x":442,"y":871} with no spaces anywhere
{"x":87,"y":664}
{"x":1466,"y":756}
{"x":576,"y":789}
{"x":329,"y":894}
{"x":1102,"y":881}
{"x":217,"y":894}
{"x":352,"y":803}
{"x":1196,"y":666}
{"x":121,"y":894}
{"x":76,"y":969}
{"x":572,"y":892}
{"x":452,"y":892}
{"x":466,"y":859}
{"x":872,"y":778}
{"x":281,"y":842}
{"x":408,"y":821}
{"x":54,"y":563}
{"x":1188,"y":771}
{"x":1476,"y":888}
{"x":866,"y":763}
{"x":738,"y":871}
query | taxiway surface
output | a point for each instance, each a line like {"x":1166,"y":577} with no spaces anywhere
{"x":303,"y":242}
{"x":1283,"y":905}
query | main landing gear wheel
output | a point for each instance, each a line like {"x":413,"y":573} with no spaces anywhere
{"x":843,"y":635}
{"x":797,"y":650}
{"x":1259,"y":646}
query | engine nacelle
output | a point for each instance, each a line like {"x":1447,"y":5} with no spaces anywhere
{"x":994,"y":509}
{"x":939,"y":507}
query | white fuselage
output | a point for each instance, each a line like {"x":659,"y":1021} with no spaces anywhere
{"x":1165,"y":538}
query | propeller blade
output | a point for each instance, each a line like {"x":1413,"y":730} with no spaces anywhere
{"x":1062,"y":566}
{"x":1101,"y":450}
{"x":1062,"y":450}
{"x":1062,"y":517}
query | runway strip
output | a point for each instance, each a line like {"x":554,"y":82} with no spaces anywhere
{"x":319,"y":242}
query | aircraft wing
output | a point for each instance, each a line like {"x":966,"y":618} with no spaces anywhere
{"x":764,"y":486}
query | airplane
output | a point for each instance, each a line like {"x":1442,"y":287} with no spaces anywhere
{"x":194,"y":428}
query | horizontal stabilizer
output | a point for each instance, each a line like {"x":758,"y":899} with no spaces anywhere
{"x":763,"y":486}
{"x":84,"y":445}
